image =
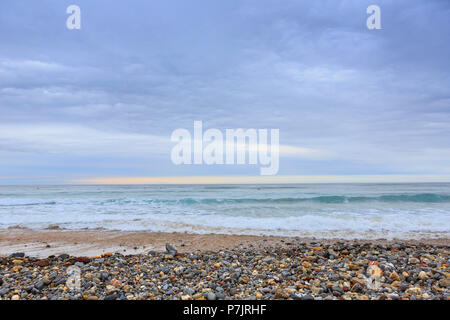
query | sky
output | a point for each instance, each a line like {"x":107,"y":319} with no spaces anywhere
{"x":102,"y":102}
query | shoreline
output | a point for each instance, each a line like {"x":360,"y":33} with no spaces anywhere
{"x":43,"y":243}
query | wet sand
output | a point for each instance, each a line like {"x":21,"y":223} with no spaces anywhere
{"x":43,"y":243}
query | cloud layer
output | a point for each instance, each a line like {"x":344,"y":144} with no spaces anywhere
{"x":103,"y":101}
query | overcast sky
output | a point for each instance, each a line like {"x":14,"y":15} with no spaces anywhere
{"x":103,"y":101}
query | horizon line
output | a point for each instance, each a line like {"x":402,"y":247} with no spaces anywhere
{"x":280,"y":179}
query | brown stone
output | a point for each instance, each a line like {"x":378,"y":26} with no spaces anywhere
{"x":445,"y":282}
{"x":413,"y":290}
{"x":83,"y":259}
{"x":352,"y":266}
{"x":43,"y":263}
{"x":394,"y":276}
{"x":16,"y":268}
{"x":423,"y":275}
{"x":396,"y":283}
{"x":280,"y":293}
{"x":357,"y":280}
{"x":115,"y":282}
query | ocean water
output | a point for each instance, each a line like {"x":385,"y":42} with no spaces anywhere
{"x":406,"y":211}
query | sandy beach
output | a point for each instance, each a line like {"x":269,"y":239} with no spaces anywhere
{"x":42,"y":243}
{"x":34,"y":264}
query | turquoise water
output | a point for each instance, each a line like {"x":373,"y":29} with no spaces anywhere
{"x":320,"y":210}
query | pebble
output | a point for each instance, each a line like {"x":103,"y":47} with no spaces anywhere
{"x":211,"y":296}
{"x":423,"y":275}
{"x":444,"y":282}
{"x":292,"y":270}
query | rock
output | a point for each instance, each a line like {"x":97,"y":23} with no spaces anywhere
{"x":233,"y":291}
{"x":316,"y":290}
{"x":374,"y":271}
{"x":110,"y":289}
{"x":17,"y":255}
{"x":16,"y":268}
{"x":299,"y":296}
{"x":197,"y":295}
{"x":179,"y":270}
{"x":296,"y":296}
{"x":393,"y":296}
{"x":171,"y":250}
{"x":188,"y":291}
{"x":295,"y":271}
{"x":115,"y":282}
{"x":15,"y":297}
{"x":281,"y":294}
{"x":39,"y":285}
{"x":423,"y":276}
{"x":394,"y":276}
{"x":396,"y":283}
{"x":352,"y":266}
{"x":357,"y":280}
{"x":331,"y":254}
{"x":337,"y":289}
{"x":428,"y":256}
{"x":413,"y":260}
{"x":104,"y":276}
{"x":4,"y":292}
{"x":334,"y":277}
{"x":445,"y":282}
{"x":413,"y":291}
{"x":211,"y":296}
{"x":43,"y":263}
{"x":220,"y":295}
{"x":357,"y":288}
{"x":83,"y":259}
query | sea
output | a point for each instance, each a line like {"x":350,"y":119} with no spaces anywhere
{"x":348,"y":211}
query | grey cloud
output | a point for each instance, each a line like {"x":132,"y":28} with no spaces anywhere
{"x":310,"y":68}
